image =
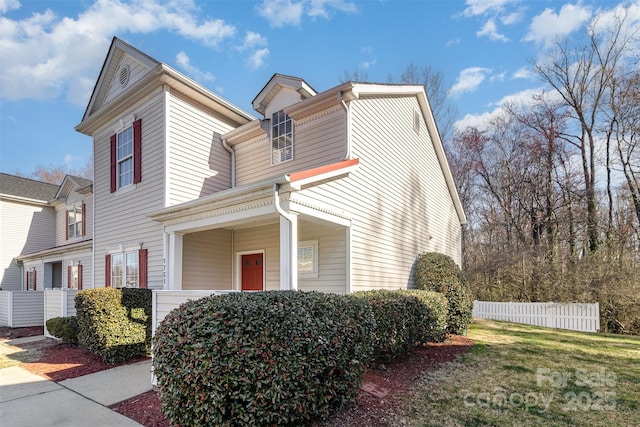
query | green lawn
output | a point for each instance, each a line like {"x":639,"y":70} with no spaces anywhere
{"x":519,"y":375}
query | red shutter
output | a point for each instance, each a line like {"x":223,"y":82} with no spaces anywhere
{"x":137,"y":151}
{"x":79,"y":277}
{"x":34,"y":279}
{"x":114,"y":162}
{"x":27,"y":280}
{"x":142,"y":268}
{"x":107,"y":271}
{"x":66,"y":229}
{"x":84,"y":219}
{"x":69,"y":277}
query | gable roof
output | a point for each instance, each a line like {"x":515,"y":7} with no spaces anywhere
{"x":151,"y":74}
{"x":26,"y":189}
{"x":72,"y":182}
{"x":275,"y":84}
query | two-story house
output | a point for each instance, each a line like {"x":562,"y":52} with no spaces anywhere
{"x":45,"y":244}
{"x":334,"y":191}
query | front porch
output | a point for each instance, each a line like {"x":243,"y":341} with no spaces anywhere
{"x":268,"y":235}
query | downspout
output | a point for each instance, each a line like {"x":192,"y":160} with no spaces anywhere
{"x":347,"y":155}
{"x":233,"y":160}
{"x":293,"y":282}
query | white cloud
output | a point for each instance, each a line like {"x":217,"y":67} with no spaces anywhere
{"x":321,"y":7}
{"x":280,"y":13}
{"x":258,"y":58}
{"x":253,"y":40}
{"x":512,"y":18}
{"x":481,"y":7}
{"x":523,"y":73}
{"x":453,"y":42}
{"x":547,"y":27}
{"x":469,"y":80}
{"x":490,"y":30}
{"x":182,"y":59}
{"x":368,"y":64}
{"x":45,"y":56}
{"x":7,"y":5}
{"x":519,"y":99}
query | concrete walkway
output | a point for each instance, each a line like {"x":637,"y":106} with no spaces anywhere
{"x":27,"y":399}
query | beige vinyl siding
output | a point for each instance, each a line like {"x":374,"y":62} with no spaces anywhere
{"x":398,"y":197}
{"x":24,"y":228}
{"x":121,"y":217}
{"x":317,"y":140}
{"x":207,"y":260}
{"x":198,"y":165}
{"x":61,"y":218}
{"x":136,"y":72}
{"x":332,"y":258}
{"x":265,"y":238}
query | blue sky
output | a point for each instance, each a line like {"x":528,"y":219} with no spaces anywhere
{"x":51,"y":53}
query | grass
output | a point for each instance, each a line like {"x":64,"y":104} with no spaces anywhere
{"x":520,"y":375}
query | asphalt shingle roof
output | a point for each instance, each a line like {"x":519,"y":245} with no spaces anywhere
{"x":12,"y":185}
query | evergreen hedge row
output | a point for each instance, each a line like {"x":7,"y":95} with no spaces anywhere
{"x":267,"y":358}
{"x":65,"y":328}
{"x":115,"y":323}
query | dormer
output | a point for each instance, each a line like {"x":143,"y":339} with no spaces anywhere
{"x":280,"y":92}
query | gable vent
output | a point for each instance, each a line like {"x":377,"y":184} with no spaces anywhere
{"x":124,"y":75}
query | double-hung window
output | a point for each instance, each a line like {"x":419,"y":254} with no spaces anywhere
{"x":125,"y":157}
{"x":281,"y":138}
{"x":75,"y":220}
{"x":31,"y":279}
{"x":308,"y":259}
{"x":127,"y":269}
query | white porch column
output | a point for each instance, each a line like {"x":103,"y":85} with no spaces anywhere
{"x":289,"y":252}
{"x":174,"y":262}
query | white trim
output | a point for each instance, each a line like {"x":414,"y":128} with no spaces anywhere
{"x":167,"y":145}
{"x":238,"y":260}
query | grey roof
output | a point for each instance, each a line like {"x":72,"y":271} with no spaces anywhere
{"x":12,"y":185}
{"x":82,"y":182}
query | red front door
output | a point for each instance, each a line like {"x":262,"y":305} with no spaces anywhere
{"x":252,"y":272}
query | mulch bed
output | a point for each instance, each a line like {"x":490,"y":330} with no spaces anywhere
{"x":376,"y":404}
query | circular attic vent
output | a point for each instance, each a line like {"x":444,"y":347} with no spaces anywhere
{"x":124,"y":75}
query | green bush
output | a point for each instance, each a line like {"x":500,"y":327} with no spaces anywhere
{"x":115,"y":323}
{"x":439,"y":273}
{"x":432,"y":327}
{"x":398,"y":322}
{"x":267,"y":358}
{"x":65,"y":328}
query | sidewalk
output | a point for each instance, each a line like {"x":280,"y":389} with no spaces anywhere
{"x":27,"y":399}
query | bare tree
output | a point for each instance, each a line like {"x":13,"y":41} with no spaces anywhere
{"x":54,"y":174}
{"x":581,"y":74}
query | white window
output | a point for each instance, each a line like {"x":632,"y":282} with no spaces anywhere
{"x":124,"y":270}
{"x":124,"y":159}
{"x":281,"y":138}
{"x":308,"y":259}
{"x":74,"y":220}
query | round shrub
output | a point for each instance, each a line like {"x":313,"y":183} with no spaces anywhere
{"x":65,"y":328}
{"x":438,"y":272}
{"x":398,"y":322}
{"x":432,"y":327}
{"x":266,"y":358}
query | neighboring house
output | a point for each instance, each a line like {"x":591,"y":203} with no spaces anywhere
{"x":67,"y":263}
{"x":27,"y":224}
{"x":335,"y":191}
{"x":46,"y":233}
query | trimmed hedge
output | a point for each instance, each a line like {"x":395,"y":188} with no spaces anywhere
{"x":402,"y":321}
{"x":432,"y":327}
{"x":65,"y":328}
{"x":438,"y":272}
{"x":267,"y":358}
{"x":115,"y":323}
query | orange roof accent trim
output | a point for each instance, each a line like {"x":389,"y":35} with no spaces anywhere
{"x":309,"y":173}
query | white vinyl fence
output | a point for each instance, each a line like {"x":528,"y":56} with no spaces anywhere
{"x":572,"y":316}
{"x":20,"y":309}
{"x":58,"y":303}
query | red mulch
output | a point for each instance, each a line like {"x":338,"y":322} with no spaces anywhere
{"x":375,"y":406}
